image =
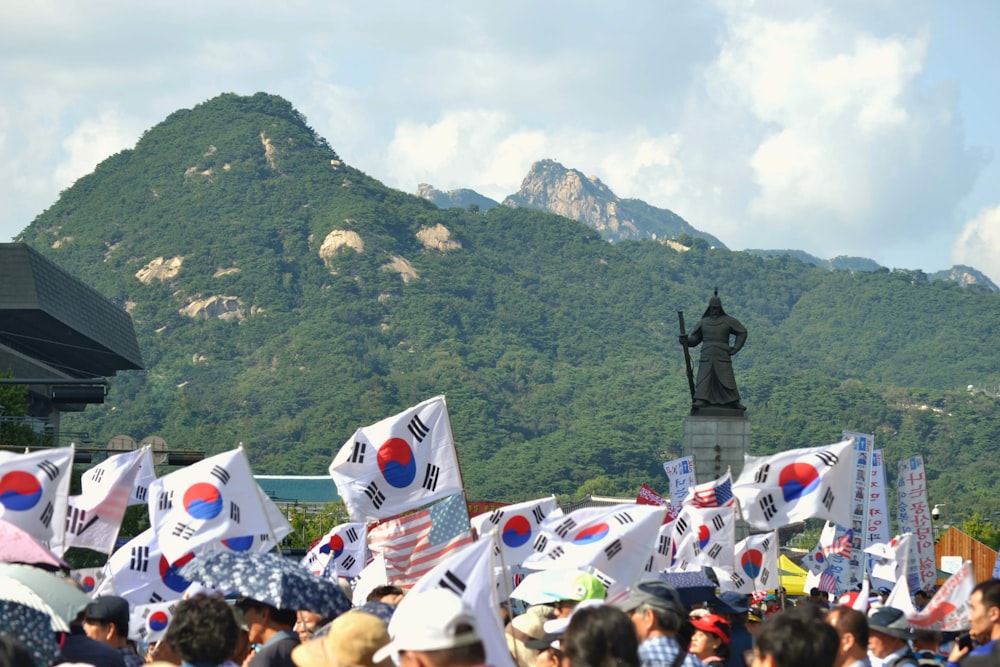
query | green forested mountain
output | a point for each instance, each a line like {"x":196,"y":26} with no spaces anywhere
{"x":283,"y":298}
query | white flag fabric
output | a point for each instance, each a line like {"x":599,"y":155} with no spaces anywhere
{"x":948,"y":610}
{"x":34,"y":489}
{"x":799,"y":484}
{"x":705,"y":536}
{"x":613,"y":543}
{"x":469,"y":574}
{"x":200,"y":506}
{"x":900,"y":598}
{"x":892,"y":560}
{"x":756,"y":565}
{"x":94,"y":517}
{"x":143,"y":478}
{"x":141,"y":574}
{"x":662,"y":557}
{"x":517,"y":527}
{"x":398,"y":464}
{"x":339,"y":553}
{"x":148,"y":623}
{"x":371,"y":577}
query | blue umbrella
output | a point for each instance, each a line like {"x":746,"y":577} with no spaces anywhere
{"x":32,"y":628}
{"x":694,"y":587}
{"x":268,"y":578}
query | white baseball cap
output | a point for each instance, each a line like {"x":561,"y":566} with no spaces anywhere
{"x":429,"y":621}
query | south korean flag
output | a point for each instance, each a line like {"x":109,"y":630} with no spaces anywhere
{"x":517,"y":527}
{"x":812,"y":482}
{"x":755,"y":567}
{"x":398,"y":464}
{"x":34,"y":491}
{"x":705,"y":535}
{"x":339,"y":553}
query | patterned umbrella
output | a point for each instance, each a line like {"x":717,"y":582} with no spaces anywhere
{"x":694,"y":587}
{"x":18,"y":546}
{"x":63,"y":601}
{"x":31,"y":628}
{"x":269,"y":578}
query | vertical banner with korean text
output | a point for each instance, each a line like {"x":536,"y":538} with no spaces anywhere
{"x":878,"y":529}
{"x":914,"y":516}
{"x":680,"y":472}
{"x":848,"y":568}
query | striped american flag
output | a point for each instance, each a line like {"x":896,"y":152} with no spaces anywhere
{"x":414,"y":543}
{"x":713,"y":494}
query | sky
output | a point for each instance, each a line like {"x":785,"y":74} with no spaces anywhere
{"x":847,"y":127}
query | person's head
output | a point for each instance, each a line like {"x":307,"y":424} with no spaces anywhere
{"x":921,"y":598}
{"x":263,"y":620}
{"x":655,"y":608}
{"x":710,"y":638}
{"x":527,"y":627}
{"x":433,"y":628}
{"x":106,"y":620}
{"x":797,"y":636}
{"x":814,"y":594}
{"x":888,"y":631}
{"x":352,"y":640}
{"x":984,"y":612}
{"x":388,"y":594}
{"x":600,"y":636}
{"x":927,"y":640}
{"x":307,"y":623}
{"x":202,"y":630}
{"x":14,"y":654}
{"x":852,"y":630}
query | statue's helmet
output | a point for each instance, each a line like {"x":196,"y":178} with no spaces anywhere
{"x":715,"y":303}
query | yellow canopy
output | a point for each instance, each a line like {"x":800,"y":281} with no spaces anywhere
{"x":793,"y":577}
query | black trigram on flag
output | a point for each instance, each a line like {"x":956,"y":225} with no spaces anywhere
{"x":604,"y":579}
{"x":155,"y":598}
{"x":96,"y":474}
{"x":613,"y":549}
{"x":165,"y":501}
{"x":141,"y":492}
{"x":563,"y":529}
{"x":351,"y":534}
{"x":495,"y":517}
{"x":348,"y":562}
{"x":46,"y":516}
{"x":663,"y":546}
{"x":765,"y":574}
{"x":312,"y":558}
{"x":537,"y":512}
{"x":220,"y":473}
{"x":556,"y":552}
{"x":718,"y":522}
{"x":760,"y":477}
{"x":76,"y":521}
{"x":828,"y":458}
{"x":234,"y":511}
{"x":140,"y":559}
{"x":357,"y":453}
{"x":828,"y":499}
{"x":737,"y":580}
{"x":649,"y":564}
{"x":49,"y":468}
{"x":417,"y":428}
{"x":540,"y":543}
{"x":767,"y":506}
{"x":624,"y":518}
{"x":766,"y":544}
{"x":431,"y":477}
{"x":375,"y":495}
{"x":452,"y":582}
{"x":680,"y":526}
{"x":185,"y":531}
{"x":714,"y":551}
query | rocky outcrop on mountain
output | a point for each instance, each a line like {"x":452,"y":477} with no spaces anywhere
{"x":160,"y":269}
{"x":437,"y":238}
{"x":551,"y":187}
{"x":222,"y":307}
{"x":462,"y":198}
{"x":966,"y":275}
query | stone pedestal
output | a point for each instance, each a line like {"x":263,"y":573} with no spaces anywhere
{"x":717,"y":440}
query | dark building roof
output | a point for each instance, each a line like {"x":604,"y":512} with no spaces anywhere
{"x":51,"y":317}
{"x":300,"y":489}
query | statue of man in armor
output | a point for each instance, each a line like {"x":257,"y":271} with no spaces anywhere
{"x":720,"y":336}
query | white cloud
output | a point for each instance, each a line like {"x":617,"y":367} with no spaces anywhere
{"x":979,"y":243}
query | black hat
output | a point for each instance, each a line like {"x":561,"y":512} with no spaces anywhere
{"x":109,"y":609}
{"x":890,"y":621}
{"x":656,"y":594}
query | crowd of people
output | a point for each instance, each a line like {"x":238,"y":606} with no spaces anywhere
{"x":649,"y":627}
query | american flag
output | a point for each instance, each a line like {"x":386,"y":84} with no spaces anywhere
{"x":840,"y":546}
{"x":712,"y":494}
{"x":413,"y":544}
{"x":827,"y":583}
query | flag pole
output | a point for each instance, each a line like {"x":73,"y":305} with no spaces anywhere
{"x":458,"y":462}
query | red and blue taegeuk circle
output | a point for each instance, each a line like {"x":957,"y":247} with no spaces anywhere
{"x":797,"y":479}
{"x":752,"y":562}
{"x":241,"y":543}
{"x":592,"y":534}
{"x":203,"y":501}
{"x":20,"y":490}
{"x":158,"y":621}
{"x":334,"y":547}
{"x":88,"y":583}
{"x":169,"y":576}
{"x":516,"y":531}
{"x":397,"y":463}
{"x":704,"y":536}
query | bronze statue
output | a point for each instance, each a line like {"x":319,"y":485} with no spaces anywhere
{"x":716,"y":383}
